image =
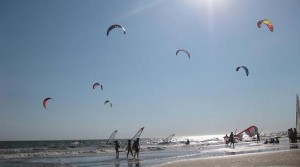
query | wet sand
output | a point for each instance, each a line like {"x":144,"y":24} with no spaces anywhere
{"x":283,"y":158}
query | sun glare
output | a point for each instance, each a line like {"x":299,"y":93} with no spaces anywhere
{"x":210,"y":7}
{"x":216,"y":4}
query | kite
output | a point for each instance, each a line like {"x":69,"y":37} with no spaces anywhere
{"x":107,"y":101}
{"x":245,"y":68}
{"x":185,"y":51}
{"x":267,"y":22}
{"x":115,"y":26}
{"x":97,"y":84}
{"x":45,"y":102}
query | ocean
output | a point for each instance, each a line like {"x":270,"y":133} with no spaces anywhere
{"x":92,"y":153}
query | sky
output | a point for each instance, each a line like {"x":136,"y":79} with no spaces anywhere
{"x":59,"y":49}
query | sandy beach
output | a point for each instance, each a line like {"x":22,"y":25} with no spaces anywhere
{"x":282,"y":158}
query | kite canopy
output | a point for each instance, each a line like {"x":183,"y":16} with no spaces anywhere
{"x":115,"y":26}
{"x":138,"y":134}
{"x":45,"y":102}
{"x":245,"y":68}
{"x":168,"y":139}
{"x":97,"y":84}
{"x":185,"y":51}
{"x":107,"y":101}
{"x":250,"y":131}
{"x":112,"y":137}
{"x":266,"y":22}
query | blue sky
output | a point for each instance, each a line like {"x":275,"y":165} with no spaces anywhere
{"x":59,"y":49}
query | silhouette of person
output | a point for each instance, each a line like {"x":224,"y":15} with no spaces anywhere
{"x":226,"y":138}
{"x":129,"y":148}
{"x":187,"y":142}
{"x":136,"y":147}
{"x":258,"y":137}
{"x":117,"y":146}
{"x":295,"y":134}
{"x":276,"y":140}
{"x":231,"y":139}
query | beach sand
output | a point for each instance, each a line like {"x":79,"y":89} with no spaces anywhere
{"x":283,"y":158}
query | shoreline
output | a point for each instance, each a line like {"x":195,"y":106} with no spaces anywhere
{"x":290,"y":158}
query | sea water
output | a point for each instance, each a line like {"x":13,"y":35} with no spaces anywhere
{"x":91,"y":153}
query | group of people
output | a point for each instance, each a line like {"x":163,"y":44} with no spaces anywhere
{"x":273,"y":140}
{"x":292,"y":135}
{"x":230,"y":139}
{"x":135,"y":147}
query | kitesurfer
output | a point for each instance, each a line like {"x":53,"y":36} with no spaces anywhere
{"x":226,"y":138}
{"x":117,"y":146}
{"x":258,"y":137}
{"x":231,"y":139}
{"x":291,"y":135}
{"x":129,"y":148}
{"x":295,"y":135}
{"x":272,"y":140}
{"x":136,"y":147}
{"x":276,"y":140}
{"x":187,"y":142}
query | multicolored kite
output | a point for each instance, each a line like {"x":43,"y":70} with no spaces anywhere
{"x":267,"y":22}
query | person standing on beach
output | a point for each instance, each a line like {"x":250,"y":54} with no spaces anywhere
{"x":295,"y":131}
{"x":129,"y":148}
{"x":226,"y":138}
{"x":258,"y":137}
{"x":117,"y":146}
{"x":136,"y":147}
{"x":231,"y":139}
